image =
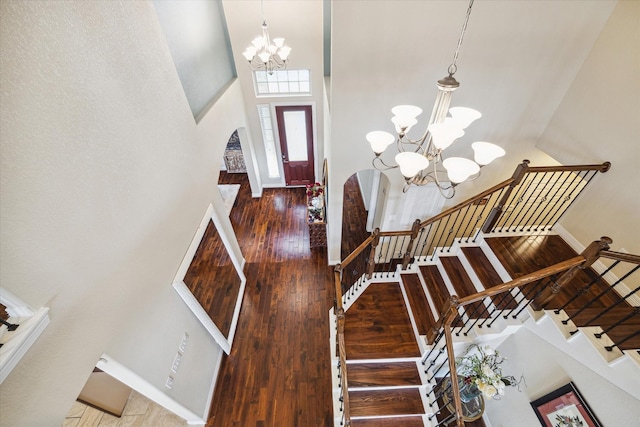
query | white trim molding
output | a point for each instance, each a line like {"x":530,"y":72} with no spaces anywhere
{"x":142,"y":386}
{"x":18,"y":342}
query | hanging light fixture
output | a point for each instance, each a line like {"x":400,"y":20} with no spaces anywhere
{"x":266,"y":54}
{"x":419,"y":160}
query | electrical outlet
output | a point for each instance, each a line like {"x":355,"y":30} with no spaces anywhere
{"x":169,"y":382}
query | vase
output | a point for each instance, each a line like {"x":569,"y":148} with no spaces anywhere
{"x":468,"y":390}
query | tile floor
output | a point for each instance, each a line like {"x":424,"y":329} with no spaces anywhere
{"x":139,"y":412}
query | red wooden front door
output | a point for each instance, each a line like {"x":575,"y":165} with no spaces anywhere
{"x":295,"y":129}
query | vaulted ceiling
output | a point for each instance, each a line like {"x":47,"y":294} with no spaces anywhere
{"x":517,"y":61}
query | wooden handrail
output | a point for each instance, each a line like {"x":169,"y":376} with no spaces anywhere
{"x":523,"y":280}
{"x":337,"y":280}
{"x":357,"y":251}
{"x":620,"y":256}
{"x":395,"y":233}
{"x":590,"y":255}
{"x":467,"y":202}
{"x":603,"y":167}
{"x":448,"y":340}
{"x":342,"y":351}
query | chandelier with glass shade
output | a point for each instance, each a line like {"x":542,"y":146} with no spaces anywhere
{"x":420,"y":160}
{"x":266,"y":54}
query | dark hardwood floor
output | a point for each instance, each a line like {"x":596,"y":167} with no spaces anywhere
{"x":278,"y":372}
{"x":379,"y":325}
{"x":354,"y":218}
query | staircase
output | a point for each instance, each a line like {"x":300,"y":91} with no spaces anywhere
{"x":392,"y":322}
{"x":475,"y":273}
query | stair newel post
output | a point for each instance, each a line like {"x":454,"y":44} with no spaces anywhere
{"x":590,"y":255}
{"x":496,"y":212}
{"x":371,"y":261}
{"x":452,"y":312}
{"x":415,"y":229}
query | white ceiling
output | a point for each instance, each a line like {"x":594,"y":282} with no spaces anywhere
{"x":517,"y":61}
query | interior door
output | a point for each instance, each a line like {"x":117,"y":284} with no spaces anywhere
{"x":295,"y":129}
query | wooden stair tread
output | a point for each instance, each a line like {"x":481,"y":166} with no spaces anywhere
{"x":436,"y":287}
{"x":383,"y":374}
{"x":463,"y":286}
{"x":583,"y":317}
{"x":378,"y":325}
{"x":488,"y":276}
{"x":404,"y":401}
{"x":620,"y":333}
{"x":425,"y":321}
{"x":388,"y":422}
{"x":522,"y":255}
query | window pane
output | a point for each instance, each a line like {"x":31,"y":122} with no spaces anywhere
{"x":269,"y":141}
{"x":282,"y":82}
{"x":295,"y":127}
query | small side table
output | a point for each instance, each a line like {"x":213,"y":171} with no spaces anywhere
{"x":471,"y":410}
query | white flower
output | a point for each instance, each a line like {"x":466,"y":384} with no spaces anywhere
{"x":500,"y":386}
{"x":489,"y":351}
{"x":489,"y":391}
{"x":487,"y":371}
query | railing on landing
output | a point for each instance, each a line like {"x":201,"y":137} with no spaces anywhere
{"x":534,"y":198}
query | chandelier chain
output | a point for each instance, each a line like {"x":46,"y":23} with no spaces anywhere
{"x":454,"y":67}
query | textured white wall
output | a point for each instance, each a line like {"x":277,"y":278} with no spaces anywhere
{"x":546,"y":368}
{"x":105,"y":178}
{"x":599,"y":120}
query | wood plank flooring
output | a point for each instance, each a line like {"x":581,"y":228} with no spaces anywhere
{"x":278,"y":372}
{"x":420,"y":307}
{"x":488,"y":276}
{"x":385,"y":402}
{"x":389,"y":422}
{"x":463,"y":285}
{"x":379,"y":326}
{"x":354,"y":218}
{"x":383,"y":374}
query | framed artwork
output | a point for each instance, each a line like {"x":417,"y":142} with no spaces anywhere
{"x":564,"y":407}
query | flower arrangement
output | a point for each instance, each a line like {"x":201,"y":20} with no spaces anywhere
{"x":315,"y":202}
{"x":315,"y":190}
{"x":482,"y":369}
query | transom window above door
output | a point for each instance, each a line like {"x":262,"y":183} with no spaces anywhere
{"x":282,"y":82}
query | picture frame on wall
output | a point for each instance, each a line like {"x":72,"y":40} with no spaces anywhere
{"x":564,"y":407}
